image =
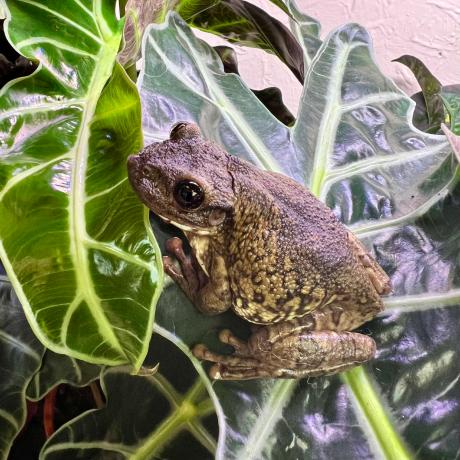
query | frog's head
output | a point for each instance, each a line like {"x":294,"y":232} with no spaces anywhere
{"x":184,"y":180}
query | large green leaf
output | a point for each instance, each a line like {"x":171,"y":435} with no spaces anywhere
{"x":355,"y":147}
{"x":72,"y":235}
{"x":20,"y":357}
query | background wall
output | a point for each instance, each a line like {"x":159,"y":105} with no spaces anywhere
{"x":427,"y":29}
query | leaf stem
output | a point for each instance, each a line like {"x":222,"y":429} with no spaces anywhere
{"x":165,"y":432}
{"x":182,"y":415}
{"x":378,"y":421}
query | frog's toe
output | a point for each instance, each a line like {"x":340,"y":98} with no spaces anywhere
{"x":223,"y":372}
{"x":200,"y":351}
{"x":171,"y":269}
{"x":241,"y":348}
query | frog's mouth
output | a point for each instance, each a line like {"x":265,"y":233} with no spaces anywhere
{"x":188,"y":228}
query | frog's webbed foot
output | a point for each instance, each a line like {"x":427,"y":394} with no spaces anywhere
{"x":190,"y":277}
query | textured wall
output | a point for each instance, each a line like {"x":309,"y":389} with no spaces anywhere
{"x":427,"y":29}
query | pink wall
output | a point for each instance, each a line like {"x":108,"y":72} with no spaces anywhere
{"x":427,"y":29}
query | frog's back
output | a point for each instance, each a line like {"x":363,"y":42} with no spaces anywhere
{"x":288,"y":254}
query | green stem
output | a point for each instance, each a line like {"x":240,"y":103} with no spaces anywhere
{"x":387,"y":438}
{"x":165,"y":432}
{"x":184,"y":414}
{"x":205,"y":408}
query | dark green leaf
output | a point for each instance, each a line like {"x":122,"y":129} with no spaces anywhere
{"x":431,"y":90}
{"x":354,"y":146}
{"x":11,"y":64}
{"x":158,"y":416}
{"x":272,"y":99}
{"x":56,"y":369}
{"x":244,"y":23}
{"x":20,"y":357}
{"x":72,"y":234}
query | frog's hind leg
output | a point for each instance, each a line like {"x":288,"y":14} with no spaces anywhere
{"x":288,"y":350}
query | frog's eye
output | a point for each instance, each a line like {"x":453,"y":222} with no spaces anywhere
{"x":146,"y":170}
{"x":188,"y":194}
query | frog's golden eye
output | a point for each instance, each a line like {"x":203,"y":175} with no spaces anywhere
{"x":188,"y":194}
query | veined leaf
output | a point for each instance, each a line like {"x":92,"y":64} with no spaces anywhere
{"x":244,"y":23}
{"x":354,"y":145}
{"x":451,"y":97}
{"x":157,"y":416}
{"x":20,"y":357}
{"x":138,"y":14}
{"x":306,"y":30}
{"x":431,"y":90}
{"x":72,"y":236}
{"x":56,"y":369}
{"x":270,"y":97}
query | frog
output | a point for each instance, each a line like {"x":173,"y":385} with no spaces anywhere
{"x":262,"y":245}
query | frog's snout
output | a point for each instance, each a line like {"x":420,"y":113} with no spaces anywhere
{"x":133,"y":161}
{"x":133,"y":166}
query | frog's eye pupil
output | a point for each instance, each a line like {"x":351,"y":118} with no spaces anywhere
{"x":188,"y":194}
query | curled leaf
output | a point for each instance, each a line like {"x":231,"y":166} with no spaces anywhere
{"x":431,"y":90}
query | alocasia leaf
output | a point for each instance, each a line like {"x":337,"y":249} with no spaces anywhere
{"x":138,"y":15}
{"x":20,"y":357}
{"x":451,"y":97}
{"x":72,"y":236}
{"x":354,"y":145}
{"x":431,"y":90}
{"x":56,"y":369}
{"x":306,"y":30}
{"x":157,"y":416}
{"x":270,"y":97}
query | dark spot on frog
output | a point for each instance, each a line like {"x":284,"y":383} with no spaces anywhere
{"x":259,"y":297}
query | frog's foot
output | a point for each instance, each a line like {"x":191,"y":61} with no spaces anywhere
{"x":189,"y":276}
{"x":241,"y":347}
{"x":241,"y":365}
{"x":233,"y":367}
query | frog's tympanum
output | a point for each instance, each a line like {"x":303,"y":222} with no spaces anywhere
{"x":265,"y":247}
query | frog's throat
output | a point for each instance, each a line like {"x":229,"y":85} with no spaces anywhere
{"x":188,"y":228}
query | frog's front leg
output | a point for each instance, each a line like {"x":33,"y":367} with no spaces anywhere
{"x":211,"y":295}
{"x":288,"y":350}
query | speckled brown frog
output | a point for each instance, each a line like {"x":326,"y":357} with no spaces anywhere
{"x":264,"y":246}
